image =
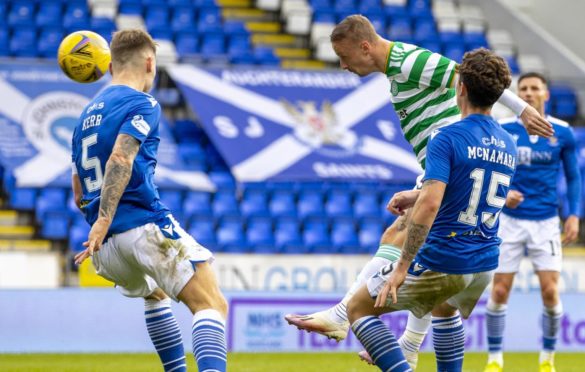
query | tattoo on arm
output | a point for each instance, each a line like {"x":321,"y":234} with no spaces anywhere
{"x":415,"y":238}
{"x":118,"y":172}
{"x":402,"y":223}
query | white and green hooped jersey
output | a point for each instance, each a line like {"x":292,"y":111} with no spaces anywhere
{"x":422,"y":94}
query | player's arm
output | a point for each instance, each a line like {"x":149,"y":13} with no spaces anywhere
{"x":424,"y":212}
{"x":573,"y":177}
{"x":76,"y":186}
{"x":535,"y":124}
{"x":116,"y":178}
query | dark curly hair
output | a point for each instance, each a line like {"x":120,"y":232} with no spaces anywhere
{"x":485,"y":75}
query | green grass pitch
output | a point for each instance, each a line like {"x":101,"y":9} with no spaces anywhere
{"x":247,"y":362}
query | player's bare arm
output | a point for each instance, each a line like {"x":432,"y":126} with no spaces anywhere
{"x":424,"y":213}
{"x":402,"y":201}
{"x":116,"y":178}
{"x":77,"y":191}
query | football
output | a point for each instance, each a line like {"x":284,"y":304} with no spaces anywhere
{"x":84,"y":56}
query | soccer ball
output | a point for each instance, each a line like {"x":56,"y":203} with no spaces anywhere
{"x":84,"y":56}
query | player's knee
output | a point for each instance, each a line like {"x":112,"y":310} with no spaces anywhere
{"x":550,"y":293}
{"x":500,"y":293}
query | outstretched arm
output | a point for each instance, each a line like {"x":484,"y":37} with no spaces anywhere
{"x":116,"y":178}
{"x":573,"y":177}
{"x":533,"y":121}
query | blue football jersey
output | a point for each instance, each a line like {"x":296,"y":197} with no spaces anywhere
{"x":539,"y":164}
{"x":476,"y":158}
{"x":119,"y":109}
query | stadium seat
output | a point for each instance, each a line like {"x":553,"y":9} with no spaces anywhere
{"x":235,"y":28}
{"x":183,"y":19}
{"x":338,"y":204}
{"x":23,"y":43}
{"x":259,"y":236}
{"x":202,"y":230}
{"x":192,"y":154}
{"x":188,"y":131}
{"x":344,"y":237}
{"x":209,"y":21}
{"x":49,"y":41}
{"x":224,"y":181}
{"x":565,"y":108}
{"x":400,"y":30}
{"x":290,"y":241}
{"x":366,"y":206}
{"x":265,"y":56}
{"x":310,"y":204}
{"x":76,"y":17}
{"x":133,"y":7}
{"x":55,"y":225}
{"x":49,"y":14}
{"x":4,"y":42}
{"x":172,"y":199}
{"x":455,"y":52}
{"x":77,"y":236}
{"x":425,"y":31}
{"x":282,"y":204}
{"x":103,"y":26}
{"x":213,"y":46}
{"x":197,"y":204}
{"x":420,"y":9}
{"x":21,"y":13}
{"x":225,"y":203}
{"x":231,"y":239}
{"x":367,"y":7}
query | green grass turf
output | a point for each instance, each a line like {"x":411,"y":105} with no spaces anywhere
{"x":243,"y":362}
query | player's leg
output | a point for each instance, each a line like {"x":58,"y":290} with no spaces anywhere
{"x":448,"y":338}
{"x":203,"y":297}
{"x":379,"y":341}
{"x":164,"y":331}
{"x":551,"y":317}
{"x":545,"y":251}
{"x":179,"y":265}
{"x":116,"y":262}
{"x":333,"y":322}
{"x":514,"y":237}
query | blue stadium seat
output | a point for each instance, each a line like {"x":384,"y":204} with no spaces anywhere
{"x":23,"y":43}
{"x":49,"y":200}
{"x":366,"y":206}
{"x":206,"y":4}
{"x":77,"y":236}
{"x":23,"y":198}
{"x":172,"y":199}
{"x":255,"y":204}
{"x":455,"y":52}
{"x":344,"y":7}
{"x":183,"y":19}
{"x":420,"y":9}
{"x":344,"y":237}
{"x":513,"y":64}
{"x":449,"y":38}
{"x":265,"y":56}
{"x":565,"y":108}
{"x":49,"y":41}
{"x":432,"y":45}
{"x":260,"y":236}
{"x":202,"y":230}
{"x":180,"y":3}
{"x":238,"y":44}
{"x":290,"y":241}
{"x":224,"y":181}
{"x":49,"y":14}
{"x":320,"y":5}
{"x":369,"y":235}
{"x":130,"y":7}
{"x":197,"y":203}
{"x":209,"y":21}
{"x":225,"y":203}
{"x":425,"y":31}
{"x":188,"y":131}
{"x":55,"y":225}
{"x":369,"y":7}
{"x":76,"y":17}
{"x":324,"y":16}
{"x":378,"y":21}
{"x":394,"y":12}
{"x":338,"y":204}
{"x":400,"y":29}
{"x":231,"y":239}
{"x":21,"y":13}
{"x":316,"y":236}
{"x":156,"y":17}
{"x":474,"y":40}
{"x":193,"y":155}
{"x":242,"y":57}
{"x":154,"y":3}
{"x":310,"y":204}
{"x":4,"y":42}
{"x":57,"y":196}
{"x":103,"y":26}
{"x":213,"y":46}
{"x":282,"y":204}
{"x":235,"y":28}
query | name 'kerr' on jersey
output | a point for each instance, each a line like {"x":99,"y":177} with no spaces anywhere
{"x":539,"y":165}
{"x":119,"y":109}
{"x":476,"y":158}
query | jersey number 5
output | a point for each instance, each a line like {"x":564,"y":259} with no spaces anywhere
{"x":469,"y":216}
{"x":91,"y":163}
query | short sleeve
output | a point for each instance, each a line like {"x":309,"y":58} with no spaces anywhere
{"x":439,"y":157}
{"x":142,"y":120}
{"x":427,"y":69}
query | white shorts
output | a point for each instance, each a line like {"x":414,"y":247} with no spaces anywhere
{"x":151,"y":256}
{"x":424,"y":289}
{"x":541,"y":240}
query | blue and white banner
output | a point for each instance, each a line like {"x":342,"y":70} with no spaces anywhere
{"x":299,"y":125}
{"x":38,"y":111}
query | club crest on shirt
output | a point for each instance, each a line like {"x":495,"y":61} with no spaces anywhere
{"x":394,"y":87}
{"x":533,"y":138}
{"x":553,"y":141}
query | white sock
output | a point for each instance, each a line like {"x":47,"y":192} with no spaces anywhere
{"x":338,"y":312}
{"x":415,"y":332}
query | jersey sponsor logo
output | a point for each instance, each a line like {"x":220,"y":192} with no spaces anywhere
{"x":140,"y":124}
{"x":493,"y":141}
{"x":95,"y":106}
{"x":527,"y":156}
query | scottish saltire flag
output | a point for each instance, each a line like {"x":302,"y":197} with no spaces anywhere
{"x":39,"y":107}
{"x":299,"y":125}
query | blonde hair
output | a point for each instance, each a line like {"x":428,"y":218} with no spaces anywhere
{"x":127,"y":43}
{"x":355,"y":27}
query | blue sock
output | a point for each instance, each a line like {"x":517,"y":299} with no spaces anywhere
{"x":496,"y":321}
{"x":165,"y":334}
{"x":551,"y":321}
{"x":380,"y":344}
{"x":209,"y":344}
{"x":449,"y":343}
